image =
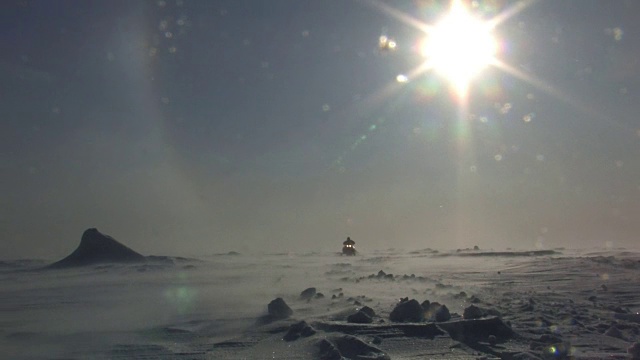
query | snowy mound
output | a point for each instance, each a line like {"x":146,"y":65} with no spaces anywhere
{"x":95,"y":248}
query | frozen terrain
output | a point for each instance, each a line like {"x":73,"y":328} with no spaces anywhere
{"x":562,"y":303}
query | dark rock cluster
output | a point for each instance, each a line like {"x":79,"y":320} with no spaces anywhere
{"x":412,"y":311}
{"x":381,"y":275}
{"x":478,"y":324}
{"x":426,"y":319}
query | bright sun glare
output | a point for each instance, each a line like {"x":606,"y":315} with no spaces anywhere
{"x":459,"y":47}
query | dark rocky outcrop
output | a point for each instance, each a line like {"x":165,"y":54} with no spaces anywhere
{"x":278,"y":309}
{"x":442,"y":314}
{"x":407,"y":311}
{"x":360,"y":317}
{"x":97,"y":248}
{"x":307,"y":293}
{"x":369,"y":311}
{"x":473,"y":312}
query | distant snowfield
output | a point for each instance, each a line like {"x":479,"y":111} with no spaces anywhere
{"x":580,"y":303}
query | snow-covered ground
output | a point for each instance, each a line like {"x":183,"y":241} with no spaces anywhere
{"x":578,"y":302}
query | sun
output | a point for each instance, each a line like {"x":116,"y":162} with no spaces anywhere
{"x":459,"y":47}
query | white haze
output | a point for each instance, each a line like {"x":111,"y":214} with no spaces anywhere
{"x":88,"y":311}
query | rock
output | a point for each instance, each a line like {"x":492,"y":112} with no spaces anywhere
{"x":407,"y":311}
{"x":297,"y":330}
{"x":369,"y":311}
{"x":430,"y":309}
{"x":473,"y":312}
{"x":381,"y":273}
{"x":474,"y":330}
{"x":96,"y":248}
{"x":443,"y":314}
{"x":434,"y":306}
{"x":359,"y":318}
{"x":350,"y":347}
{"x":278,"y":309}
{"x":328,"y":351}
{"x":308,"y":293}
{"x":319,"y":295}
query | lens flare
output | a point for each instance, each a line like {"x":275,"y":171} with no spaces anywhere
{"x":459,"y":47}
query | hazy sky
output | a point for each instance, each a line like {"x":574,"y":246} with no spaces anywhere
{"x":196,"y":127}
